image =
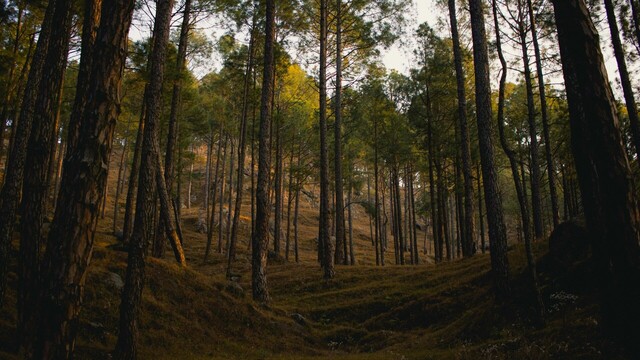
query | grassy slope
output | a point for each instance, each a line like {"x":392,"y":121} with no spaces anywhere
{"x":367,"y":312}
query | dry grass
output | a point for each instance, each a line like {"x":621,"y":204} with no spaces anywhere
{"x":366,"y":312}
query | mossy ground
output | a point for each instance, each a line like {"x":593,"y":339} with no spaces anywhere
{"x":367,"y":312}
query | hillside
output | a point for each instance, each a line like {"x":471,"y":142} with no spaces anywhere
{"x":366,"y":312}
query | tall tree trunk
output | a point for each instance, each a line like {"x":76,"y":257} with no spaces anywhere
{"x":221,"y":205}
{"x":261,"y":236}
{"x":407,"y":216}
{"x":53,"y":156}
{"x":242,"y":143}
{"x":378,"y":245}
{"x":296,"y":212}
{"x":545,"y":117}
{"x":460,"y":231}
{"x":229,"y":202}
{"x":435,"y":223}
{"x":627,"y":89}
{"x":212,"y":217}
{"x":606,"y":184}
{"x":401,"y":242}
{"x":493,"y":200}
{"x":206,"y":189}
{"x":36,"y":166}
{"x":277,"y":190}
{"x":352,"y":257}
{"x":289,"y":200}
{"x":189,"y":178}
{"x":103,"y":205}
{"x":253,"y":162}
{"x":59,"y":161}
{"x":383,"y":222}
{"x":340,"y":257}
{"x":12,"y":84}
{"x":467,"y":238}
{"x":416,"y":254}
{"x":176,"y":97}
{"x":15,"y":115}
{"x":394,"y":222}
{"x":13,"y":178}
{"x":443,"y":231}
{"x":480,"y":214}
{"x":536,"y":202}
{"x":524,"y":209}
{"x":127,"y":227}
{"x":369,"y":203}
{"x":126,"y":347}
{"x":119,"y":185}
{"x":169,"y":215}
{"x":323,"y":231}
{"x":433,"y":191}
{"x":70,"y":239}
{"x":92,"y":18}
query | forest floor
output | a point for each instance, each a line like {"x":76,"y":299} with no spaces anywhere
{"x":367,"y":312}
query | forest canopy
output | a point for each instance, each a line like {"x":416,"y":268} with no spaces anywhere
{"x":157,"y":158}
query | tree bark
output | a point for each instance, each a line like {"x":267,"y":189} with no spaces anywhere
{"x":13,"y":178}
{"x":378,"y":245}
{"x":242,"y":143}
{"x":176,"y":98}
{"x":551,"y":174}
{"x":36,"y":166}
{"x":627,"y":89}
{"x":127,"y":227}
{"x":340,"y":256}
{"x":536,"y":202}
{"x":604,"y":174}
{"x":70,"y":239}
{"x":229,"y":202}
{"x":467,"y":238}
{"x":289,"y":201}
{"x":323,"y":231}
{"x":277,"y":190}
{"x":416,"y":253}
{"x":126,"y":347}
{"x":261,"y":236}
{"x":480,"y":214}
{"x":493,"y":200}
{"x":206,"y":189}
{"x":119,"y":185}
{"x":92,"y":18}
{"x":213,"y":196}
{"x":12,"y":84}
{"x":296,"y":213}
{"x":524,"y":209}
{"x":103,"y":205}
{"x":221,"y":205}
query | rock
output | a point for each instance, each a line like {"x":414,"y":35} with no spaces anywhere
{"x":274,"y":258}
{"x":299,"y":319}
{"x":568,"y":245}
{"x":96,"y":326}
{"x":201,"y":225}
{"x":115,"y":280}
{"x":234,"y":289}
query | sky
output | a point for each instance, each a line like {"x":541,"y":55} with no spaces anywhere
{"x":401,"y":58}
